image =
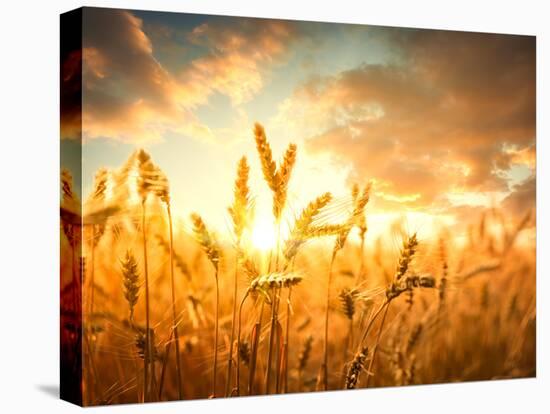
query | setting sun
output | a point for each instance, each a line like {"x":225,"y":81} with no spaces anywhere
{"x":263,"y":233}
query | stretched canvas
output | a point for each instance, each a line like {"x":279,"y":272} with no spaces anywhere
{"x":256,"y":206}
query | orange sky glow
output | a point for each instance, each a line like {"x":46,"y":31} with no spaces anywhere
{"x":442,"y":123}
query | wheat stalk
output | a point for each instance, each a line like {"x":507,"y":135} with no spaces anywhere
{"x":277,"y":180}
{"x":238,"y":379}
{"x":97,"y":231}
{"x":263,"y":284}
{"x":361,"y":222}
{"x":97,"y":199}
{"x":145,"y":166}
{"x":151,"y":180}
{"x":252,"y":273}
{"x":161,"y":188}
{"x":240,"y":214}
{"x":399,"y":285}
{"x":210,"y":247}
{"x":283,"y":366}
{"x":341,"y":238}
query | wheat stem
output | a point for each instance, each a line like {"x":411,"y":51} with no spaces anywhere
{"x":286,"y":341}
{"x":164,"y":365}
{"x":255,"y":346}
{"x":274,"y":306}
{"x":230,"y":356}
{"x":147,"y":353}
{"x":361,"y":259}
{"x":371,"y":362}
{"x":287,"y":334}
{"x":237,"y":391}
{"x":274,"y":316}
{"x":240,"y":214}
{"x":92,"y":273}
{"x":216,"y":328}
{"x":210,"y":246}
{"x":371,"y":322}
{"x":174,"y":310}
{"x":323,"y":375}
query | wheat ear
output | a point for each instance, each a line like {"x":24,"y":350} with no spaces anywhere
{"x":302,"y":229}
{"x":239,"y":213}
{"x":277,"y":180}
{"x":355,"y":368}
{"x":407,"y":252}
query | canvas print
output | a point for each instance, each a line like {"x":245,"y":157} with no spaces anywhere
{"x":257,"y":206}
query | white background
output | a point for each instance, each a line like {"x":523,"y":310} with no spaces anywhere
{"x":29,"y":159}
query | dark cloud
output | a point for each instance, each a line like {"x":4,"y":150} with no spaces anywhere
{"x":71,"y":95}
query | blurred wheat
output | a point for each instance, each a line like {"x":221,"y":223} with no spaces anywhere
{"x":357,"y":312}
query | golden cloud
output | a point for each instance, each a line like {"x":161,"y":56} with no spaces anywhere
{"x":130,"y":96}
{"x":239,"y":55}
{"x":455,"y":111}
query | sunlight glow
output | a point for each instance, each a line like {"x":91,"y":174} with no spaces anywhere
{"x":426,"y":225}
{"x":263,"y":233}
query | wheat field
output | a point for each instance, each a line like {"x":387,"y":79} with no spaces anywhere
{"x":159,"y":307}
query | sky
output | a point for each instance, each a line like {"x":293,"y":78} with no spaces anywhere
{"x":441,"y":122}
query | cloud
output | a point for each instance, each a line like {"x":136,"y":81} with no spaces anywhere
{"x":522,"y":199}
{"x":238,"y":57}
{"x":71,"y":94}
{"x":129,"y":95}
{"x":452,"y":113}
